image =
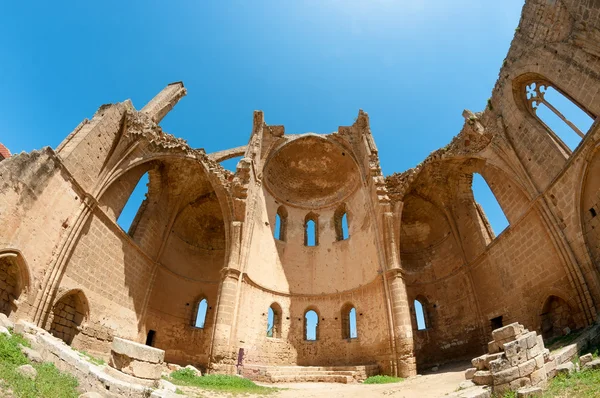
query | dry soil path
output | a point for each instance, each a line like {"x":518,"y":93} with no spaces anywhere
{"x":433,"y":385}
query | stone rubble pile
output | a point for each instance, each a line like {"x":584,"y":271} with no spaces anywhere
{"x":517,"y":358}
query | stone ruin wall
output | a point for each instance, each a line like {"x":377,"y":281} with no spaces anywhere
{"x":59,"y":210}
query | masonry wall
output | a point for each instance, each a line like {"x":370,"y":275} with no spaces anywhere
{"x":37,"y":206}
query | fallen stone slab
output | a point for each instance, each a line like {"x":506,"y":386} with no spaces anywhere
{"x":137,"y":351}
{"x":482,"y":377}
{"x":7,"y":323}
{"x":475,"y":392}
{"x":91,"y":394}
{"x":565,"y":368}
{"x":466,"y":384}
{"x":529,"y":392}
{"x":595,"y":364}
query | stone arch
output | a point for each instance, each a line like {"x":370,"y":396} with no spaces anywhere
{"x":276,"y":327}
{"x":556,"y":316}
{"x":524,"y":102}
{"x":346,"y":321}
{"x":338,"y":220}
{"x":68,"y":314}
{"x":426,"y":313}
{"x":311,"y":218}
{"x":306,"y":326}
{"x":14,"y":280}
{"x":282,"y":214}
{"x":217,"y":184}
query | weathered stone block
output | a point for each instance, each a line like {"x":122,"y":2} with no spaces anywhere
{"x":585,"y":359}
{"x":137,"y":351}
{"x":529,"y":392}
{"x":499,"y":365}
{"x":479,"y":363}
{"x":506,"y":376}
{"x":482,"y":377}
{"x":550,"y":368}
{"x":595,"y":364}
{"x":520,"y":383}
{"x":538,"y":378}
{"x":526,"y":368}
{"x":469,"y":373}
{"x":516,"y":351}
{"x":565,"y":368}
{"x":539,"y":361}
{"x":534,"y":351}
{"x":508,"y":331}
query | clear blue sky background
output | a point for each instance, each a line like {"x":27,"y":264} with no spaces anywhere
{"x":413,"y":65}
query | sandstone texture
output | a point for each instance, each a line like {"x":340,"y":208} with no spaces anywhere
{"x":308,"y":223}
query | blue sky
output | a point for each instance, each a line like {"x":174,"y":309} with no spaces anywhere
{"x":310,"y":65}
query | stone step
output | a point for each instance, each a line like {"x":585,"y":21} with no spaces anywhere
{"x":365,"y":368}
{"x":319,"y":372}
{"x":311,"y":377}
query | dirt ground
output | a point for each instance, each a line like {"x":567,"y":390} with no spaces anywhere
{"x":431,"y":385}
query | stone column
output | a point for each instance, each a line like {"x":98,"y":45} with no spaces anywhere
{"x":403,"y":334}
{"x":223,"y":353}
{"x":400,"y":309}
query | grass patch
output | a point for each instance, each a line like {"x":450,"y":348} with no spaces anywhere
{"x":580,"y":384}
{"x":92,"y":359}
{"x":49,"y":383}
{"x":234,"y":384}
{"x":382,"y":379}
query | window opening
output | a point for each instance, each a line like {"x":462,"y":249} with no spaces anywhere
{"x":340,"y":221}
{"x":311,"y":324}
{"x":201,"y":314}
{"x":345,"y":226}
{"x":280,"y":223}
{"x":349,"y":330}
{"x":491,"y":208}
{"x":274,"y":321}
{"x":561,"y":115}
{"x":311,"y":230}
{"x":150,"y":337}
{"x":420,"y":315}
{"x":496,"y":322}
{"x":134,"y":203}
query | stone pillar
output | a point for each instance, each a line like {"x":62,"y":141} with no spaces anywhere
{"x":403,"y":334}
{"x":400,"y":309}
{"x":223,"y":353}
{"x":164,"y":101}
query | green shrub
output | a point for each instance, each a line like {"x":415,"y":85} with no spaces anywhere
{"x":218,"y":382}
{"x":382,"y":379}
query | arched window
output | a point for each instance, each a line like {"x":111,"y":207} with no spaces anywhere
{"x":420,"y":315}
{"x":349,"y":330}
{"x":340,"y":221}
{"x":565,"y":119}
{"x":311,"y":325}
{"x":134,"y":204}
{"x":274,"y":321}
{"x":281,"y":223}
{"x":493,"y":213}
{"x":311,"y":230}
{"x":201,"y":314}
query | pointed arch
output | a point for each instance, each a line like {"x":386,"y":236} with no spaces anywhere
{"x":201,"y":312}
{"x":421,"y":313}
{"x":15,"y":273}
{"x":274,"y":321}
{"x":311,"y":324}
{"x":349,"y":323}
{"x":565,"y":120}
{"x":281,"y":219}
{"x":340,"y":222}
{"x":68,"y":314}
{"x":311,"y":229}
